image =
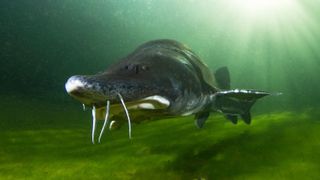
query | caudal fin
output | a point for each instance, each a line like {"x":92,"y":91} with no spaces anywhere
{"x":237,"y":103}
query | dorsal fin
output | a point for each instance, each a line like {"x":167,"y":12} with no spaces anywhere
{"x":222,"y":76}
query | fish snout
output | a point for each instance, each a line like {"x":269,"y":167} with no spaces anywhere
{"x":82,"y":89}
{"x":97,"y":89}
{"x":75,"y":83}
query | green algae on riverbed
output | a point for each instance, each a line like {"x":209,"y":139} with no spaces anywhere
{"x":276,"y":145}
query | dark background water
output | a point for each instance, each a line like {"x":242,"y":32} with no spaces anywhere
{"x":43,"y":42}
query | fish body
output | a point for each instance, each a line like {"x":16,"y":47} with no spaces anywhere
{"x":160,"y":79}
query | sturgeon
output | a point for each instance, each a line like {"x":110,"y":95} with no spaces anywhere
{"x":160,"y":79}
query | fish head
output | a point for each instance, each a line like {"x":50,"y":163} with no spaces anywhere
{"x":136,"y":80}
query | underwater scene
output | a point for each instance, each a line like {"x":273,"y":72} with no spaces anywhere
{"x":160,"y":89}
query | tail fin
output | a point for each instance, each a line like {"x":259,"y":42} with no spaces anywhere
{"x":237,"y":102}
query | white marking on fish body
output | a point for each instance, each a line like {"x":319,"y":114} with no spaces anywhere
{"x":244,"y":91}
{"x":160,"y":99}
{"x":146,"y":106}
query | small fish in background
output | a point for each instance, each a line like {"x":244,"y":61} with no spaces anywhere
{"x":160,"y":79}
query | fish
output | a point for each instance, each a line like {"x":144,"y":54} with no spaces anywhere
{"x":160,"y":79}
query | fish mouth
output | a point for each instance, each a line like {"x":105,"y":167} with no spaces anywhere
{"x":90,"y":92}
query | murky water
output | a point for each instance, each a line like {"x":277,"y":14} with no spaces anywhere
{"x":267,"y":45}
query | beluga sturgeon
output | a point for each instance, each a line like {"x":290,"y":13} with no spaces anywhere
{"x":160,"y":79}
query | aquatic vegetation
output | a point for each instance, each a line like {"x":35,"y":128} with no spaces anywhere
{"x":276,"y":145}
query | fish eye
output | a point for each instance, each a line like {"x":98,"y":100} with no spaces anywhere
{"x":136,"y":68}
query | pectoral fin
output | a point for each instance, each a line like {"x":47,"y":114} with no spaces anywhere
{"x":200,"y":118}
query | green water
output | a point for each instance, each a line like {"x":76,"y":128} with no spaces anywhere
{"x":267,"y":45}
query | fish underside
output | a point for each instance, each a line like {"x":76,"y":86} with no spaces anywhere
{"x":160,"y":79}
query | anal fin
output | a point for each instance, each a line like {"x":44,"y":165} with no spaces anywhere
{"x":232,"y":118}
